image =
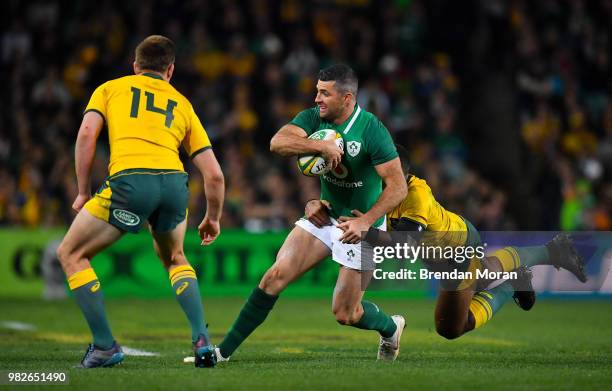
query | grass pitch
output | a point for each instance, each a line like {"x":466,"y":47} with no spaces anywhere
{"x":557,"y":345}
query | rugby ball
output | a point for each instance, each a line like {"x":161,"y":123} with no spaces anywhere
{"x":315,"y":165}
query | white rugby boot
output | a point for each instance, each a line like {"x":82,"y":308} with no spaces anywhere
{"x":220,"y":358}
{"x":389,"y":348}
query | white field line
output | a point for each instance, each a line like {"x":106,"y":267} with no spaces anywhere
{"x":136,"y":352}
{"x":15,"y":325}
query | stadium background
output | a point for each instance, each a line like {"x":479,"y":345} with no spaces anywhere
{"x":505,"y":106}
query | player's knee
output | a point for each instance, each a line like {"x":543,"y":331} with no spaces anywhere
{"x":343,"y":319}
{"x":343,"y":316}
{"x":274,"y":281}
{"x":449,"y":332}
{"x":178,"y":258}
{"x":64,"y":252}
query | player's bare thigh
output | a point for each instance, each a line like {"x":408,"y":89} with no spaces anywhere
{"x":298,"y":254}
{"x":452,"y":312}
{"x":348,"y":292}
{"x":169,"y":246}
{"x":87,"y":236}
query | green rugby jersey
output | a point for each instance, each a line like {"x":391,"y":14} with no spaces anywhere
{"x":354,"y":184}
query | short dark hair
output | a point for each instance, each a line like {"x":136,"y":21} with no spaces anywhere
{"x":343,"y":75}
{"x":155,"y":53}
{"x":404,"y":158}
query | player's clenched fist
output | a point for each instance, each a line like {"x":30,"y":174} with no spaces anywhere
{"x":354,"y":228}
{"x":80,"y":201}
{"x":331,"y":152}
{"x":209,"y":230}
{"x":317,"y":212}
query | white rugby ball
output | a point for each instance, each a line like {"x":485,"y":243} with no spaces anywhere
{"x":315,"y":165}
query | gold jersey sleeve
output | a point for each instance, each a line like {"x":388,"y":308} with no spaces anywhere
{"x":421,"y":207}
{"x":147,"y":121}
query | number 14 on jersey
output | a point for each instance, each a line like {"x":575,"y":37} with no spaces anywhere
{"x":167,"y":112}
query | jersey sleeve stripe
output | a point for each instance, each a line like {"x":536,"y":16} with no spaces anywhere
{"x":95,"y":111}
{"x":199,"y":151}
{"x":404,"y":224}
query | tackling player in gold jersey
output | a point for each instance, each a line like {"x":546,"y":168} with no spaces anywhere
{"x":148,"y":120}
{"x":468,"y":304}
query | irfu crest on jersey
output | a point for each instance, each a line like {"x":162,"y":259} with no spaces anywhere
{"x":353,"y":148}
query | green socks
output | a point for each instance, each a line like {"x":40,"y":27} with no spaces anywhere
{"x":486,"y":303}
{"x":533,"y":255}
{"x":253,"y":313}
{"x":85,"y":287}
{"x":374,"y":319}
{"x":185,"y":285}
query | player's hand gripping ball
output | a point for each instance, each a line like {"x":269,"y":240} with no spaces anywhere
{"x":316,"y":165}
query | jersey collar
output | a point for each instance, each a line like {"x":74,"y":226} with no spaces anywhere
{"x":356,"y":113}
{"x":153,"y":75}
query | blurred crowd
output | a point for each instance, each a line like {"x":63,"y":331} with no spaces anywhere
{"x":248,"y":67}
{"x":565,"y":84}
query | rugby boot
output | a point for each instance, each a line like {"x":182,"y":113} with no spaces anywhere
{"x":389,"y":348}
{"x":95,"y":357}
{"x":204,"y":353}
{"x":524,"y":295}
{"x":562,"y":254}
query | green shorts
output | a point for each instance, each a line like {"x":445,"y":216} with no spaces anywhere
{"x":128,"y":198}
{"x":473,"y":240}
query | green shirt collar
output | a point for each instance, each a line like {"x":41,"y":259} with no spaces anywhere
{"x":153,"y":75}
{"x":348,"y":124}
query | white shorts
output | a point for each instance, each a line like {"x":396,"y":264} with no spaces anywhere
{"x":346,"y":254}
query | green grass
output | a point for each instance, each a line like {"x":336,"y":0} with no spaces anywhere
{"x":558,"y":345}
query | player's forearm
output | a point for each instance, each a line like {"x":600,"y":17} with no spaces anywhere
{"x":214,"y":182}
{"x":84,"y":153}
{"x":214,"y":188}
{"x":391,"y":196}
{"x":290,"y":145}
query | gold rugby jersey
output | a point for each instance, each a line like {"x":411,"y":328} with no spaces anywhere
{"x":147,"y":121}
{"x":420,"y":206}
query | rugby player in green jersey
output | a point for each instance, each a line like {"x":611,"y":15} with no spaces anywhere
{"x":463,"y":304}
{"x":355,"y":182}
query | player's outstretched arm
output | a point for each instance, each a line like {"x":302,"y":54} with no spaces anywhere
{"x":376,"y":237}
{"x":317,"y":211}
{"x":395,"y":191}
{"x":292,"y":140}
{"x":84,"y":153}
{"x":214,"y":189}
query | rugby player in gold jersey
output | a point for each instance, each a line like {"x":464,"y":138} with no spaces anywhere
{"x":148,"y":120}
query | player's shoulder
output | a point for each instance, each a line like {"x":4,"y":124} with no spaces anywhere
{"x":118,"y":81}
{"x":416,"y":182}
{"x":307,"y":119}
{"x":311,"y":112}
{"x":178,"y":95}
{"x":168,"y":88}
{"x":106,"y":85}
{"x":418,"y":188}
{"x":371,"y":121}
{"x":115,"y":84}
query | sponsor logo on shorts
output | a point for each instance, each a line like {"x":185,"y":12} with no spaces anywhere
{"x":94,"y":288}
{"x":126,"y":217}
